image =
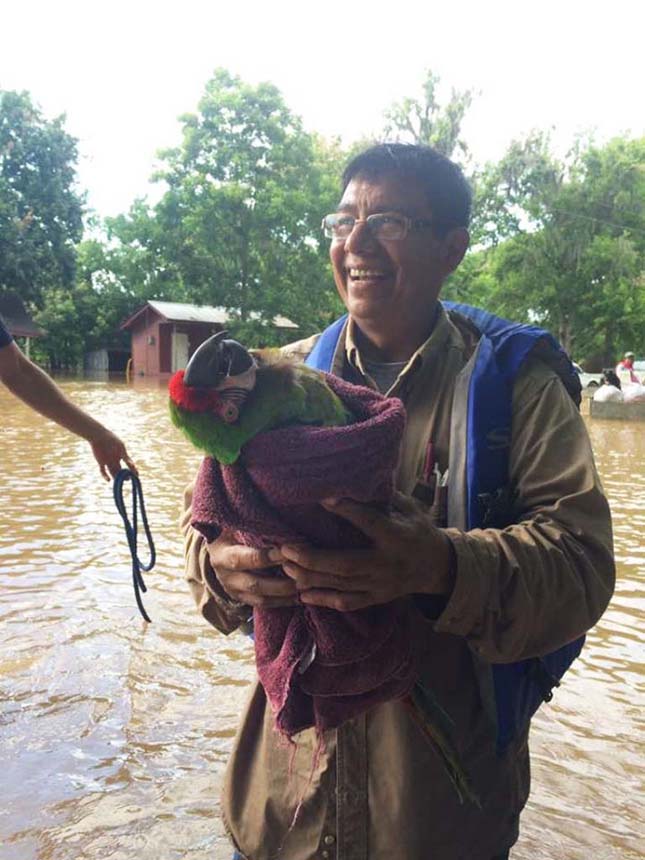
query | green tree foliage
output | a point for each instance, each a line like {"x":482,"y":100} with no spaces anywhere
{"x":143,"y":257}
{"x":568,"y":248}
{"x":40,"y":208}
{"x":239,"y":223}
{"x":513,"y":194}
{"x":424,"y":120}
{"x":556,"y":241}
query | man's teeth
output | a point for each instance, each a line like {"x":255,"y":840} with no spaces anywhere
{"x":365,"y":273}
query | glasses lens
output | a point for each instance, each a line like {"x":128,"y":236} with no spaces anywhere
{"x":338,"y":226}
{"x":387,"y":226}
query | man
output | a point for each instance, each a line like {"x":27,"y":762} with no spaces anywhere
{"x":490,"y":596}
{"x":625,"y":370}
{"x":32,"y":385}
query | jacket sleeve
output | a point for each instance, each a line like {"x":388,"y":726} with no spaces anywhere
{"x":527,"y":589}
{"x":212,"y":601}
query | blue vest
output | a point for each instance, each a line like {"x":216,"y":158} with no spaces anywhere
{"x":519,"y":688}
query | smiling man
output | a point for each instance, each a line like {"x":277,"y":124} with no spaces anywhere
{"x":391,"y":254}
{"x":499,"y":538}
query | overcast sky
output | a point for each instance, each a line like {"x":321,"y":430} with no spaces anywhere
{"x":124,"y":71}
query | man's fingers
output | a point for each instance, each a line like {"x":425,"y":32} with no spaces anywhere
{"x":264,"y":602}
{"x":368,"y":519}
{"x":406,"y":504}
{"x":306,"y":579}
{"x":348,"y":601}
{"x":264,"y":591}
{"x":237,"y":557}
{"x":348,"y":562}
{"x":247,"y":584}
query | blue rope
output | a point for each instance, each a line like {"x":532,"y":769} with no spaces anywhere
{"x":131,"y":532}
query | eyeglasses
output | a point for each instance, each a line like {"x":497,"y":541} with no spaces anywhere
{"x":389,"y":226}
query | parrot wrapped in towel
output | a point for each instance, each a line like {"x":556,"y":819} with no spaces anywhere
{"x":280,"y":437}
{"x":225,"y":397}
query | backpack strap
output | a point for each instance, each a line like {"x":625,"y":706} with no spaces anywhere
{"x":321,"y":356}
{"x":519,"y":687}
{"x":502,"y":350}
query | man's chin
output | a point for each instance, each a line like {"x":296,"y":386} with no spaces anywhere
{"x":367,"y":309}
{"x":367,"y":299}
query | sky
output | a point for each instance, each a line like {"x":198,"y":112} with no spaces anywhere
{"x":123,"y":72}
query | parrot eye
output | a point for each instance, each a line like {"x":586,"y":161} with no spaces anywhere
{"x":229,"y":413}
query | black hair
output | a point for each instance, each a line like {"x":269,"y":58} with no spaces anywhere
{"x":446,"y":187}
{"x":610,"y":377}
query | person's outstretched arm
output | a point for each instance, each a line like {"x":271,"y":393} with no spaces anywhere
{"x":32,"y":385}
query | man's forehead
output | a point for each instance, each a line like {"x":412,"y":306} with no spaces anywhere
{"x":386,"y":193}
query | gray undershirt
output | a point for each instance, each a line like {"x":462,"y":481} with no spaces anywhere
{"x":384,"y":374}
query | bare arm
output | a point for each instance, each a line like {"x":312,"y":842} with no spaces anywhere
{"x":32,"y":385}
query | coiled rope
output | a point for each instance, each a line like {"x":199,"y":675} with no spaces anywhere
{"x":131,"y":531}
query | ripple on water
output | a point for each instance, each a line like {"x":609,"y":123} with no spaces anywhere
{"x":114,"y":734}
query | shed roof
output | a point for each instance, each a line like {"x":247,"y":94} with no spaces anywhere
{"x":17,"y":320}
{"x":178,"y":312}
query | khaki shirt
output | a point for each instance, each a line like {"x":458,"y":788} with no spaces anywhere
{"x":376,"y":790}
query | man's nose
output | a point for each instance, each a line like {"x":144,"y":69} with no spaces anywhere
{"x":360,"y":237}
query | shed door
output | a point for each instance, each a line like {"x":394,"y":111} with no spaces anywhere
{"x":179,"y":350}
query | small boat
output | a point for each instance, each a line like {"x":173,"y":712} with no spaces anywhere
{"x":618,"y":410}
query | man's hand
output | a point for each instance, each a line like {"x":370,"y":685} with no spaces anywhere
{"x":108,"y":452}
{"x":408,"y":556}
{"x":235,"y":567}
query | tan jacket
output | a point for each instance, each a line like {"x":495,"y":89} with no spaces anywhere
{"x":378,"y":791}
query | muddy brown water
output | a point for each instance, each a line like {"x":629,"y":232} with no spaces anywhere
{"x":114,"y":734}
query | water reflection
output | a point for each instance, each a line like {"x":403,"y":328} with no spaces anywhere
{"x":114,"y":734}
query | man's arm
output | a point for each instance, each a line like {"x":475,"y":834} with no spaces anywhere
{"x":32,"y":385}
{"x":525,"y":590}
{"x":512,"y":593}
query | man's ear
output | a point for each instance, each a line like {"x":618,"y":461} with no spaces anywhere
{"x":455,"y":245}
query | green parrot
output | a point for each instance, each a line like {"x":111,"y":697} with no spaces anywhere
{"x":226,"y":396}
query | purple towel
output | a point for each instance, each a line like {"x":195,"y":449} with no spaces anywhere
{"x":319,"y":667}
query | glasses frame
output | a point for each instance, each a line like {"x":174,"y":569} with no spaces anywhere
{"x":409,"y":224}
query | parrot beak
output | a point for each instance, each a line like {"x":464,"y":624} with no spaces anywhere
{"x":217,"y":361}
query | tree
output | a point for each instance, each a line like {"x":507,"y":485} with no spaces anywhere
{"x":242,"y":212}
{"x":513,"y":195}
{"x":239,"y":222}
{"x":144,"y":255}
{"x":427,"y":122}
{"x":40,"y":208}
{"x":572,"y":249}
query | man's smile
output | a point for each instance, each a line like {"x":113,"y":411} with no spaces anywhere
{"x":362,"y":274}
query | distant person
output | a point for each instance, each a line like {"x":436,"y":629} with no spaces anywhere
{"x":32,"y":385}
{"x":625,"y":370}
{"x":610,"y":390}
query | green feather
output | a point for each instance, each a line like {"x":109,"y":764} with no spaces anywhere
{"x":283,"y":395}
{"x":437,"y":726}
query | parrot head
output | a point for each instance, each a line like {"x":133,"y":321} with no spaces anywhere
{"x":225,"y":397}
{"x":206,"y":398}
{"x":224,"y":371}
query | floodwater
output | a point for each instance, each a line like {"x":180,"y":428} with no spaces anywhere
{"x":114,"y":733}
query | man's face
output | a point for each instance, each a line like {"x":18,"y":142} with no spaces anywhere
{"x":389,"y":283}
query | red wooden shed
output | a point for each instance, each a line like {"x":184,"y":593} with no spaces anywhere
{"x":166,"y":334}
